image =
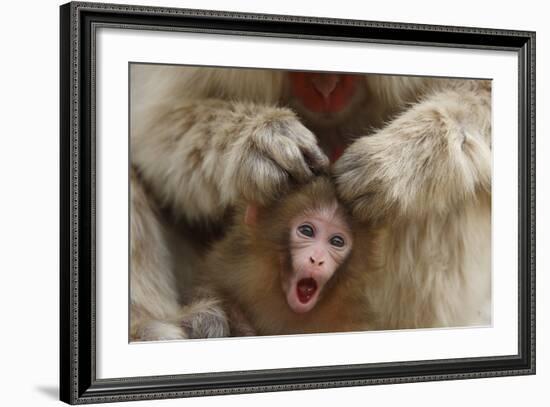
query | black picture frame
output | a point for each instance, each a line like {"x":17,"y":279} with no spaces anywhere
{"x":78,"y":382}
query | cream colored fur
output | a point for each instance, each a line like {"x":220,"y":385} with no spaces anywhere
{"x":153,"y":295}
{"x":425,"y":180}
{"x":419,"y":169}
{"x":156,"y":311}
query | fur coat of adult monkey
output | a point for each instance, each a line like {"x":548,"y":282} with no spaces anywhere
{"x":415,"y":160}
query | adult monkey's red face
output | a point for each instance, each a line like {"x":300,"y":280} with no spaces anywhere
{"x":324,"y":93}
{"x":329,"y":103}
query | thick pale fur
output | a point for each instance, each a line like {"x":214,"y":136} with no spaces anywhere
{"x":419,"y":167}
{"x":245,"y":270}
{"x":425,"y":180}
{"x":153,"y":296}
{"x":156,"y":310}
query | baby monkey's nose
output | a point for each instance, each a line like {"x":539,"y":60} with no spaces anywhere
{"x":313,"y":261}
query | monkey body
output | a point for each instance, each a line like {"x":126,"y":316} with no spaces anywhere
{"x":249,"y":266}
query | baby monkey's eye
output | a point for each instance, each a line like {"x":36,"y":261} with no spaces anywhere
{"x":337,"y":241}
{"x":306,"y":230}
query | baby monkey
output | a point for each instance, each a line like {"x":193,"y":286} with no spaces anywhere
{"x":285,"y":268}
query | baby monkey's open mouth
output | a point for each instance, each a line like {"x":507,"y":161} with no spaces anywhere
{"x":306,"y":289}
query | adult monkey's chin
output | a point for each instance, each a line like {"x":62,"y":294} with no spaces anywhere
{"x":302,"y":295}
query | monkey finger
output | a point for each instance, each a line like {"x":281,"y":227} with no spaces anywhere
{"x":349,"y":176}
{"x":307,"y":142}
{"x":292,"y":160}
{"x":363,"y":184}
{"x":280,"y":144}
{"x":316,"y":160}
{"x":260,"y":179}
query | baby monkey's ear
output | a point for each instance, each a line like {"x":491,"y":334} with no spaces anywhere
{"x":251,"y":214}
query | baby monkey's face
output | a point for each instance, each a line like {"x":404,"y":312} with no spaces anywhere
{"x":320,"y":241}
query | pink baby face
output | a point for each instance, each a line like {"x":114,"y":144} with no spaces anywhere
{"x":320,"y":241}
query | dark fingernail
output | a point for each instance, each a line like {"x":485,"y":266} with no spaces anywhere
{"x":314,"y":161}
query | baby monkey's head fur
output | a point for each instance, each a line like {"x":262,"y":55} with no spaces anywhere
{"x":318,"y":195}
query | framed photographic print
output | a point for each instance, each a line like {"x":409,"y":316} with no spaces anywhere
{"x":256,"y":203}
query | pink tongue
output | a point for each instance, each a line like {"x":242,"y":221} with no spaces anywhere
{"x":306,"y":288}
